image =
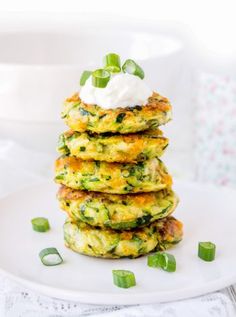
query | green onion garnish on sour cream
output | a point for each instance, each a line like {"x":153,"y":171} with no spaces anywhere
{"x":133,"y":68}
{"x":112,"y":65}
{"x":85,"y":75}
{"x":100,"y":78}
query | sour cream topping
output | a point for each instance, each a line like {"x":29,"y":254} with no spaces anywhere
{"x":122,"y":90}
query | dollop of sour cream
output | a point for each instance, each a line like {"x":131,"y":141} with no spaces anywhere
{"x":122,"y":90}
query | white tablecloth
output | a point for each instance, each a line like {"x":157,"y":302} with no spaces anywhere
{"x":20,"y":167}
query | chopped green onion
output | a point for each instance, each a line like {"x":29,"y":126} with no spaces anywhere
{"x":40,"y":224}
{"x":132,"y":68}
{"x":167,"y":262}
{"x":50,"y":257}
{"x":123,"y":278}
{"x":85,"y":75}
{"x":162,"y":260}
{"x":100,"y":78}
{"x":206,"y":251}
{"x":153,"y":260}
{"x":112,"y":63}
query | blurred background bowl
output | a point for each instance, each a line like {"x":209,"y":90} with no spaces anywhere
{"x":41,"y":66}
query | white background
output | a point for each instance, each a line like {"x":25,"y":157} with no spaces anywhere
{"x":213,"y":23}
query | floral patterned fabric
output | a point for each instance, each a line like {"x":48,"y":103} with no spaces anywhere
{"x":215,"y":129}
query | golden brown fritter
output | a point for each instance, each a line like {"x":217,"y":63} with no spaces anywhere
{"x":113,"y":178}
{"x":128,"y":148}
{"x":120,"y":212}
{"x":83,"y":117}
{"x":85,"y":239}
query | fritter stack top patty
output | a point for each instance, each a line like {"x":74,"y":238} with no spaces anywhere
{"x":114,"y":178}
{"x":119,"y":212}
{"x":93,"y":241}
{"x":127,"y":148}
{"x":83,"y":117}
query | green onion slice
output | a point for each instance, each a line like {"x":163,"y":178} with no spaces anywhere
{"x":123,"y":278}
{"x":112,"y":63}
{"x":153,"y":260}
{"x":162,"y":260}
{"x":100,"y":78}
{"x":40,"y":224}
{"x":85,"y":75}
{"x":206,"y":251}
{"x":167,"y":262}
{"x":50,"y":257}
{"x":132,"y":68}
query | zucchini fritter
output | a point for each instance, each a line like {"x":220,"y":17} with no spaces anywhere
{"x":127,"y":148}
{"x":114,"y":178}
{"x":108,"y":243}
{"x":83,"y":117}
{"x":120,"y":212}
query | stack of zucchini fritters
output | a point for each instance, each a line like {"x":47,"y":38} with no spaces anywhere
{"x":115,"y":189}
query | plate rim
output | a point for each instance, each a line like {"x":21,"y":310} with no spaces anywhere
{"x":120,"y":299}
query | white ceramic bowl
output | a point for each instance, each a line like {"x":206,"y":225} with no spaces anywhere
{"x":40,"y":67}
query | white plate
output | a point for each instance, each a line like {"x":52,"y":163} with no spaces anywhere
{"x":208,"y":213}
